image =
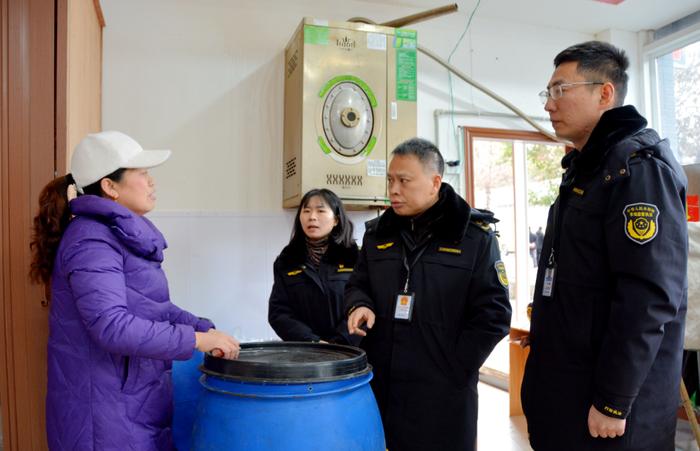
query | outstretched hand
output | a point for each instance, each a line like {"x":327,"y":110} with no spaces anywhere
{"x":358,"y":317}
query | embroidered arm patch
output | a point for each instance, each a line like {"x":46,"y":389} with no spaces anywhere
{"x":641,"y":222}
{"x":501,"y":272}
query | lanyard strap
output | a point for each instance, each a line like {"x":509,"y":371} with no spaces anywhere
{"x":551,"y":261}
{"x":564,"y":189}
{"x":408,"y":266}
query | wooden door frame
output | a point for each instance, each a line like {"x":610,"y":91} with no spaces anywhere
{"x":492,"y":376}
{"x":472,"y":133}
{"x":37,"y":114}
{"x":27,"y":163}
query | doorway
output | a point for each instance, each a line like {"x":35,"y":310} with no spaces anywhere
{"x":516,"y":175}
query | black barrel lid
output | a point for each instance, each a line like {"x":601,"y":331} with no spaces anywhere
{"x":277,"y":361}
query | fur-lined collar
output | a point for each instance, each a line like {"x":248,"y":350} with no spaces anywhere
{"x":452,"y":215}
{"x":614,"y":126}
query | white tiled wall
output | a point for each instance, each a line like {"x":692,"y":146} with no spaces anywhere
{"x":219,"y":265}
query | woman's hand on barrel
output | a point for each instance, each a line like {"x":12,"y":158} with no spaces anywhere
{"x":218,"y":343}
{"x":358,"y":317}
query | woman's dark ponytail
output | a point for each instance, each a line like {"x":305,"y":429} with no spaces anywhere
{"x":49,"y":225}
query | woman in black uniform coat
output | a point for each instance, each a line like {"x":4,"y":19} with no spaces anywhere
{"x":306,"y":303}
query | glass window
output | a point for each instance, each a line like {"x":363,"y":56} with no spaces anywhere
{"x":678,"y":100}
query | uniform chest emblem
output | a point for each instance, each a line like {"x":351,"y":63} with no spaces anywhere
{"x":450,"y":250}
{"x":385,"y":246}
{"x":641,"y":222}
{"x":501,"y":272}
{"x":342,"y":268}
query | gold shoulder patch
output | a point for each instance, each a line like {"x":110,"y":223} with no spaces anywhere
{"x":501,"y":272}
{"x":295,"y":272}
{"x":578,"y":191}
{"x":641,"y":222}
{"x":483,"y":225}
{"x":385,"y":246}
{"x":450,"y":250}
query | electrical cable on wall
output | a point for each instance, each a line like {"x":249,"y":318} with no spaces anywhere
{"x":455,"y":134}
{"x":454,"y":70}
{"x":490,"y":93}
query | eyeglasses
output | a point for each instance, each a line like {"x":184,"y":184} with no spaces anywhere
{"x":557,"y":91}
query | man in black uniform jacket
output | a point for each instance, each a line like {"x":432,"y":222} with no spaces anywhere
{"x":611,"y":291}
{"x":431,"y":289}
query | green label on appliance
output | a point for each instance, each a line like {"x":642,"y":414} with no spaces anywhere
{"x":406,"y":75}
{"x":314,"y":34}
{"x":405,"y":39}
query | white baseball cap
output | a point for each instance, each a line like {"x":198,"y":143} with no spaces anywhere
{"x":100,"y":154}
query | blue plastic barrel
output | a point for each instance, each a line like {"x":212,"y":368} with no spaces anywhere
{"x":288,"y":396}
{"x":186,"y":393}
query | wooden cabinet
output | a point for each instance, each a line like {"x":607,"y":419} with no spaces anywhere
{"x":518,"y":357}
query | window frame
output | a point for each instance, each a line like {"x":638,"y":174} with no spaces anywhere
{"x":654,"y":50}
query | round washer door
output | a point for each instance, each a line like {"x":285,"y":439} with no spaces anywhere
{"x":347,"y":119}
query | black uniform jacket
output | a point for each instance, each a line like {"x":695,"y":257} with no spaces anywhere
{"x":611,"y":335}
{"x":426,"y":370}
{"x":306,"y":303}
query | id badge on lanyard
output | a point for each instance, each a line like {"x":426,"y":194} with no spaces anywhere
{"x":550,"y":271}
{"x":404,"y":306}
{"x":405,"y":300}
{"x":549,"y":276}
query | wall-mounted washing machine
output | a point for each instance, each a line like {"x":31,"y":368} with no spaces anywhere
{"x":350,"y":98}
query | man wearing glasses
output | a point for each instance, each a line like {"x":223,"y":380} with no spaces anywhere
{"x":611,"y":292}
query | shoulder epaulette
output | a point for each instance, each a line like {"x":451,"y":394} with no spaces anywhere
{"x":642,"y":153}
{"x":371,"y":225}
{"x":483,"y":219}
{"x":641,"y":145}
{"x":485,"y":226}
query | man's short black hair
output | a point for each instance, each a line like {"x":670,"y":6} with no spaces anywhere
{"x":602,"y":60}
{"x":425,"y":151}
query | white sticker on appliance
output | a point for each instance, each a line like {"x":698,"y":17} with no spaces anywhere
{"x":376,"y":168}
{"x":376,"y":41}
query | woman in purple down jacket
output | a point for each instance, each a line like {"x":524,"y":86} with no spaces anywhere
{"x":113,"y":330}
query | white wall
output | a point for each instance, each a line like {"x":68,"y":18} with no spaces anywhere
{"x":630,"y":42}
{"x":204,"y":78}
